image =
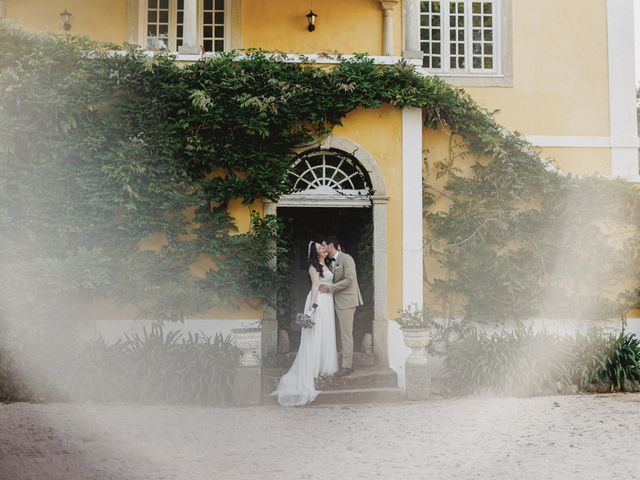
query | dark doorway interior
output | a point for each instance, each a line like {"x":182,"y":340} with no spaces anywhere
{"x":354,"y":228}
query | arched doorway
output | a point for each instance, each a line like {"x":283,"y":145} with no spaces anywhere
{"x":338,"y":190}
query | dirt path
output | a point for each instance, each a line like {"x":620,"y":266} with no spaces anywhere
{"x":568,"y":437}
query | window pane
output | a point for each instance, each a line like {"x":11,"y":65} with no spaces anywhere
{"x":208,"y":46}
{"x":208,"y":4}
{"x":164,"y":16}
{"x":477,"y":63}
{"x":488,"y":63}
{"x":207,"y":18}
{"x":153,"y":4}
{"x":219,"y":18}
{"x":152,"y":16}
{"x":219,"y":44}
{"x":207,"y":32}
{"x":219,"y":32}
{"x":164,"y":4}
{"x":431,"y":33}
{"x":219,"y":4}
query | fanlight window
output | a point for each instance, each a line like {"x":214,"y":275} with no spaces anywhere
{"x":329,"y":172}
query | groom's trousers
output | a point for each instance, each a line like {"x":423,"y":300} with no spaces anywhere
{"x":345,"y":320}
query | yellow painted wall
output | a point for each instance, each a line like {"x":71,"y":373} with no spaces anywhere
{"x":104,"y":20}
{"x":560,"y":70}
{"x":372,"y":129}
{"x":341,"y":26}
{"x":580,"y":161}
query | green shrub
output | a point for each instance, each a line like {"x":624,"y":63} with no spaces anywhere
{"x":607,"y":362}
{"x":521,"y":362}
{"x":98,"y":371}
{"x":156,"y":367}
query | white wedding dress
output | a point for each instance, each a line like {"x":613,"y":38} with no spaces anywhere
{"x":317,"y":354}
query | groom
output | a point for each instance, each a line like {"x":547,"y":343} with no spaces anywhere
{"x":346,"y":297}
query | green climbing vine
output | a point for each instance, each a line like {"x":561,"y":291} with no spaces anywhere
{"x":100,"y":151}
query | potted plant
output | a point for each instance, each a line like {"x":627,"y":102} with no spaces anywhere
{"x":416,"y":324}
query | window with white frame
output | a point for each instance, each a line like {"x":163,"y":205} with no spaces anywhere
{"x":164,"y":24}
{"x":460,"y":36}
{"x":213,"y":25}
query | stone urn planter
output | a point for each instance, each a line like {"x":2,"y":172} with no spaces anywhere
{"x":248,"y":340}
{"x":416,"y":324}
{"x":416,"y":339}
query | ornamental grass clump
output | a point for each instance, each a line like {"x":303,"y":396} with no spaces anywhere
{"x":518,"y":362}
{"x":607,"y":363}
{"x":156,"y":367}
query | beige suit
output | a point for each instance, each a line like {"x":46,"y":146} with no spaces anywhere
{"x":346,"y":297}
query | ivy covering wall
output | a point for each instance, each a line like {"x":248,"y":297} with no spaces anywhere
{"x":100,"y":151}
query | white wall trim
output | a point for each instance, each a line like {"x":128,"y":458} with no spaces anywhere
{"x":583,"y":141}
{"x":622,"y":87}
{"x":412,"y":206}
{"x":293,"y":58}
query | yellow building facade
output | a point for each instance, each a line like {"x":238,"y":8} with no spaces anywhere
{"x":560,"y":73}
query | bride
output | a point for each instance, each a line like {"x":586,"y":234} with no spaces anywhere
{"x":317,"y":354}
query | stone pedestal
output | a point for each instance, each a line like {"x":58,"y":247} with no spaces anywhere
{"x":416,"y":369}
{"x":247,"y":386}
{"x":418,"y":381}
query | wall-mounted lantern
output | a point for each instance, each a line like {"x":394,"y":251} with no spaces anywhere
{"x":65,"y":17}
{"x":311,"y":18}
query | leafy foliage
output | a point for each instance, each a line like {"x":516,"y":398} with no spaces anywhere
{"x":156,"y":367}
{"x":103,"y":151}
{"x":518,"y":362}
{"x":518,"y":239}
{"x":607,"y":363}
{"x":524,"y":362}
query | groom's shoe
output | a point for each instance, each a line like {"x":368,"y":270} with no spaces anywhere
{"x":343,"y":372}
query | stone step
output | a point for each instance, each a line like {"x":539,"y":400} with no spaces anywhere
{"x":353,"y":395}
{"x":364,"y":377}
{"x":377,"y":381}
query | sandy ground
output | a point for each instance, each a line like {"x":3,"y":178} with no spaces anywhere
{"x":565,"y":437}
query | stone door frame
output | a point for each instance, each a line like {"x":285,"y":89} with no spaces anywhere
{"x":379,"y":202}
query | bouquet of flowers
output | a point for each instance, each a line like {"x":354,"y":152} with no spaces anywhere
{"x":305,"y":320}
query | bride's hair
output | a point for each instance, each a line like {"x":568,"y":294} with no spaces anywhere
{"x":312,"y":257}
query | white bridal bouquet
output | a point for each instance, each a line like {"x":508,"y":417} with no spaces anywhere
{"x":305,"y":320}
